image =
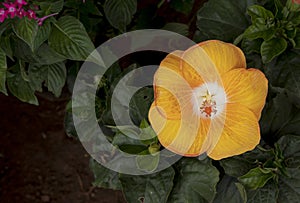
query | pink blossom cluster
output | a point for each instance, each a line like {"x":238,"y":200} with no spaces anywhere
{"x":13,"y":9}
{"x":16,"y":9}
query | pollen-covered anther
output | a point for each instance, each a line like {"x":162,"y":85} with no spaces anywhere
{"x":208,"y":106}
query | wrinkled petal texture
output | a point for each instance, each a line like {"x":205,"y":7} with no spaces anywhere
{"x":248,"y":87}
{"x":240,"y":133}
{"x":180,"y":136}
{"x":180,"y":129}
{"x":225,"y":56}
{"x":163,"y":97}
{"x":208,"y":61}
{"x":171,"y":91}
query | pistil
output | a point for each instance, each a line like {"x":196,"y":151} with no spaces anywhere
{"x":209,"y":105}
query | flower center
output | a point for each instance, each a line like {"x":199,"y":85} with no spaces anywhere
{"x":209,"y":105}
{"x":12,"y":9}
{"x":210,"y":99}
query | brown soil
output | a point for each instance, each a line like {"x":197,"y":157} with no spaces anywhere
{"x":38,"y":162}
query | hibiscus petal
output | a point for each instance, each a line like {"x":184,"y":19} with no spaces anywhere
{"x":172,"y":61}
{"x":248,"y":87}
{"x":225,"y":56}
{"x":184,"y":137}
{"x":197,"y":67}
{"x":209,"y":60}
{"x":170,"y":88}
{"x":240,"y":133}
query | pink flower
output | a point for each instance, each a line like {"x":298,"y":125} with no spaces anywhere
{"x":20,"y":3}
{"x":3,"y":15}
{"x":31,"y":14}
{"x":16,"y":9}
{"x":11,"y":9}
{"x":41,"y":20}
{"x":21,"y":13}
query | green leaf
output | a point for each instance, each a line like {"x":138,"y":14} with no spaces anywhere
{"x":274,"y":116}
{"x":242,"y":191}
{"x":266,"y":194}
{"x":54,"y":76}
{"x":5,"y":26}
{"x":293,"y":83}
{"x":279,"y":7}
{"x":43,"y":56}
{"x":257,"y":11}
{"x":23,"y":72}
{"x":254,"y":60}
{"x":140,"y":104}
{"x":147,"y":135}
{"x":3,"y":69}
{"x":289,"y":144}
{"x":223,"y":19}
{"x":104,"y":177}
{"x":88,"y":7}
{"x":272,"y":48}
{"x":256,"y":178}
{"x":85,"y":8}
{"x":133,"y":149}
{"x":284,"y":73}
{"x":120,"y":12}
{"x":150,"y":188}
{"x":126,"y":135}
{"x":21,"y":88}
{"x":251,"y":46}
{"x":26,"y":30}
{"x":293,"y":5}
{"x":296,"y":19}
{"x":183,"y":6}
{"x":179,"y":28}
{"x":237,"y":166}
{"x":289,"y":187}
{"x":280,"y":117}
{"x":6,"y":46}
{"x":196,"y":182}
{"x":276,"y":70}
{"x":70,"y":39}
{"x":52,"y":6}
{"x":148,"y":163}
{"x":127,"y":139}
{"x":229,"y":190}
{"x":292,"y":125}
{"x":42,"y":34}
{"x":260,"y":30}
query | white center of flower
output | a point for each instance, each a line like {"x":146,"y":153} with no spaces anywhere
{"x":209,"y":100}
{"x":12,"y":9}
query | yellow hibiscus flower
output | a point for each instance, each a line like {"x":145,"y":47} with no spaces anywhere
{"x":206,"y":101}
